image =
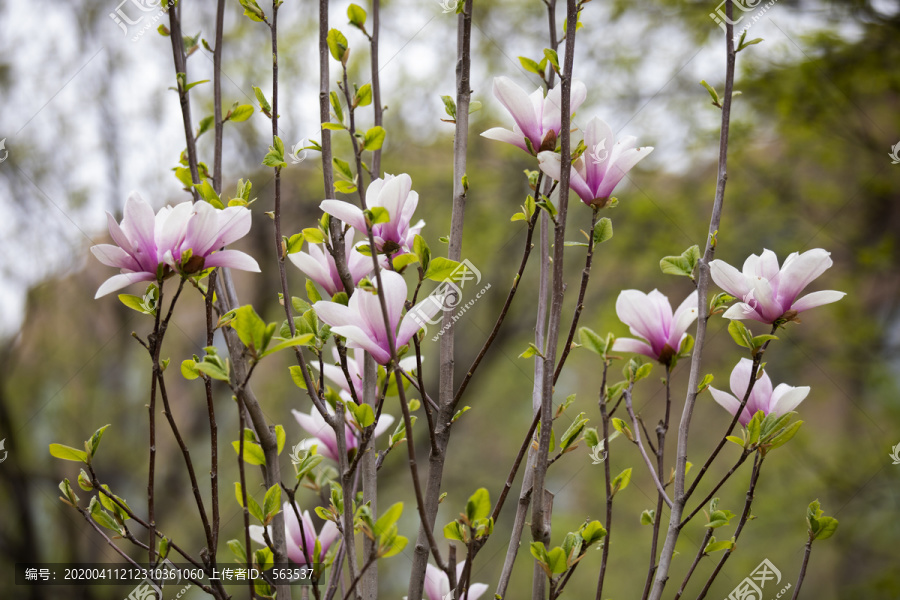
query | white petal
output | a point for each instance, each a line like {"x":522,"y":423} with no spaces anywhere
{"x":817,"y":299}
{"x":786,"y":398}
{"x":117,"y":282}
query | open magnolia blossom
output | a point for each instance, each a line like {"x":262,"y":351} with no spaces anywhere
{"x":335,"y":374}
{"x":393,"y":193}
{"x":362,"y":322}
{"x":437,"y":586}
{"x":145,"y":241}
{"x":597,"y":172}
{"x":324,"y":436}
{"x":300,"y":544}
{"x":650,"y":317}
{"x":769,"y":294}
{"x":537,"y":119}
{"x":319,"y":265}
{"x":783,"y":399}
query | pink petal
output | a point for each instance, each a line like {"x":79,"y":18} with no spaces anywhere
{"x":641,"y":313}
{"x":435,"y":581}
{"x":202,"y":229}
{"x":138,"y":225}
{"x":729,"y":403}
{"x":117,"y":282}
{"x":234,"y":223}
{"x":799,"y":270}
{"x":729,"y":279}
{"x":550,"y":163}
{"x":817,"y":299}
{"x":357,"y":338}
{"x":684,"y":315}
{"x":764,"y":297}
{"x":599,"y":139}
{"x":519,"y":105}
{"x":336,"y":314}
{"x":314,"y":270}
{"x":786,"y":398}
{"x":418,"y":315}
{"x":114,"y":256}
{"x":346,"y":212}
{"x":616,"y":171}
{"x":740,"y":311}
{"x":505,"y":135}
{"x":635,"y":346}
{"x":765,"y":266}
{"x":234,"y":259}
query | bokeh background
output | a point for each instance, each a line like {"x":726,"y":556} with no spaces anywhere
{"x":87,"y":117}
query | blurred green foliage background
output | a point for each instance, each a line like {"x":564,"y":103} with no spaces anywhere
{"x":808,"y":167}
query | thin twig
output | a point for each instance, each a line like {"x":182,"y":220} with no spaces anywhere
{"x":640,"y":445}
{"x":803,"y":568}
{"x":701,"y":552}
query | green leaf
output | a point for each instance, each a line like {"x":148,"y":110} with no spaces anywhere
{"x":336,"y":106}
{"x":479,"y":505}
{"x":785,"y":436}
{"x":237,"y":548}
{"x":241,"y":113}
{"x":388,"y":519}
{"x":532,"y":350}
{"x":740,"y":334}
{"x":374,"y":138}
{"x":572,"y":432}
{"x":735,"y":440}
{"x":94,"y":442}
{"x":714,"y":546}
{"x":402,"y":261}
{"x":281,"y":343}
{"x":422,"y":251}
{"x":137,"y":303}
{"x":68,"y":453}
{"x":364,"y":94}
{"x":342,"y":169}
{"x":621,"y":481}
{"x":334,"y":126}
{"x":707,"y":380}
{"x":251,"y":329}
{"x":365,"y":416}
{"x":207,"y":192}
{"x":620,"y":426}
{"x":603,"y":230}
{"x":712,"y":93}
{"x":357,"y":16}
{"x":189,"y":370}
{"x":103,"y":518}
{"x":826,"y":528}
{"x":557,"y":561}
{"x":449,"y":106}
{"x":531,"y":66}
{"x":272,"y":502}
{"x":275,"y":156}
{"x":279,"y":437}
{"x":440,"y":268}
{"x":297,"y":377}
{"x":648,"y":517}
{"x":337,"y":44}
{"x":454,"y":531}
{"x":593,"y":532}
{"x":553,"y":58}
{"x":252,"y":10}
{"x":683,"y":265}
{"x":190,"y":85}
{"x":253,"y":453}
{"x":593,"y":342}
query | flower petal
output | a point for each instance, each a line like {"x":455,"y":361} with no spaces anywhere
{"x":636,"y":346}
{"x":729,"y":403}
{"x":520,"y":107}
{"x":234,"y":259}
{"x":599,"y":139}
{"x":416,"y":318}
{"x":115,"y":256}
{"x":616,"y":171}
{"x":684,"y":315}
{"x":817,"y":299}
{"x":505,"y":135}
{"x":641,"y":313}
{"x":799,"y":270}
{"x":234,"y":223}
{"x":729,"y":279}
{"x":117,"y":282}
{"x":357,"y":338}
{"x":315,"y":270}
{"x":346,"y":212}
{"x":786,"y":398}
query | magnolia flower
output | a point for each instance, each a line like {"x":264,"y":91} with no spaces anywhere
{"x":437,"y":587}
{"x":650,"y":317}
{"x":362,"y":322}
{"x":300,"y":545}
{"x":783,"y":399}
{"x":144,"y":241}
{"x":537,"y":119}
{"x":319,"y":265}
{"x":335,"y":373}
{"x":394,"y":194}
{"x":595,"y":176}
{"x":768,"y":293}
{"x":324,"y":436}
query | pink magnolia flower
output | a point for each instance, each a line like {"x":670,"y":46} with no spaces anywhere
{"x":394,"y":194}
{"x":300,"y":545}
{"x":319,"y":265}
{"x":323,"y":434}
{"x":650,"y":317}
{"x":769,"y":293}
{"x":537,"y":119}
{"x":783,"y":399}
{"x":362,"y":323}
{"x":144,"y":241}
{"x":597,"y":172}
{"x":437,"y":586}
{"x":335,"y":374}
